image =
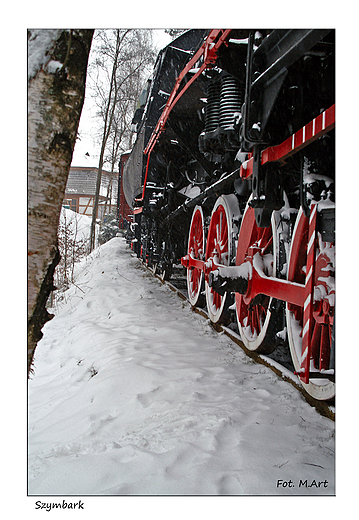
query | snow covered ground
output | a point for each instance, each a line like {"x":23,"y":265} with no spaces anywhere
{"x":135,"y":394}
{"x":79,"y":226}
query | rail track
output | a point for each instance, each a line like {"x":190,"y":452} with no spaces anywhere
{"x":279,"y":361}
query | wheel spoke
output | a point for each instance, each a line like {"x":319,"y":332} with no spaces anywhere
{"x":315,"y":340}
{"x":195,"y":249}
{"x":323,"y":308}
{"x":253,"y":320}
{"x":268,"y":245}
{"x":218,"y":248}
{"x":216,"y":300}
{"x":324,"y":349}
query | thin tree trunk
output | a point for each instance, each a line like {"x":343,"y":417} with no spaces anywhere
{"x":109,"y":192}
{"x":108,"y":120}
{"x":56,"y":92}
{"x":106,"y":129}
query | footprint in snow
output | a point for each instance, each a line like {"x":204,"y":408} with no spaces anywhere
{"x":230,"y":485}
{"x":261,"y":392}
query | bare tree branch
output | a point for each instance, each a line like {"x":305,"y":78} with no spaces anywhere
{"x":127,"y":54}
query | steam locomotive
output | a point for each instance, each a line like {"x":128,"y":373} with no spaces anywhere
{"x":232,"y":175}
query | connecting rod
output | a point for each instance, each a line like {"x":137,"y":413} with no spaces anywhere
{"x":247,"y":279}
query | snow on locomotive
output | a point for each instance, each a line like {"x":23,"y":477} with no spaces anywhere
{"x":232,"y":174}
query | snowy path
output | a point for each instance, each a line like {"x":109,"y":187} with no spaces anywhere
{"x":135,"y":394}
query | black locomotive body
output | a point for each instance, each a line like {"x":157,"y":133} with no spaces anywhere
{"x":232,"y":173}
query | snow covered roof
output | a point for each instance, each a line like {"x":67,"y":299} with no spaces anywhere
{"x":82,"y":180}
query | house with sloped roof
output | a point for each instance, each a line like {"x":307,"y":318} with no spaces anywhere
{"x":81,"y":187}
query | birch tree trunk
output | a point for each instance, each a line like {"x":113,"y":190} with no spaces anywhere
{"x":57,"y":64}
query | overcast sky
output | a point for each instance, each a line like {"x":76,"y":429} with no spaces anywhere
{"x":86,"y":153}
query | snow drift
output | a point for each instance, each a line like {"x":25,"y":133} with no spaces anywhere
{"x":135,"y":394}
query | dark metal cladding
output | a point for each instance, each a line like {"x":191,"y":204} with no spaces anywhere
{"x":169,"y":64}
{"x":264,"y":85}
{"x":132,"y":174}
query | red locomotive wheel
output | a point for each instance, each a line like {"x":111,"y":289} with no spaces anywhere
{"x":323,"y":309}
{"x":196,"y":250}
{"x":254,"y":316}
{"x":220,"y":248}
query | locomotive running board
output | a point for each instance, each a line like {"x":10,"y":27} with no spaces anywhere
{"x":306,"y":135}
{"x":319,"y":126}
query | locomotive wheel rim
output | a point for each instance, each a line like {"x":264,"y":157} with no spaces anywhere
{"x":253,"y":320}
{"x":219,"y":246}
{"x":196,"y":242}
{"x":321,"y":389}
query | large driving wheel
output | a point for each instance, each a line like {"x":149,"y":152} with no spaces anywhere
{"x":196,"y":250}
{"x":220,"y":247}
{"x":321,"y":330}
{"x":254,"y":317}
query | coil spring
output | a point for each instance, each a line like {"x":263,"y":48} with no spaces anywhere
{"x":212,"y":109}
{"x":230,"y":101}
{"x":224,"y":100}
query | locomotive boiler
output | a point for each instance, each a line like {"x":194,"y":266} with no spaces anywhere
{"x":232,"y":176}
